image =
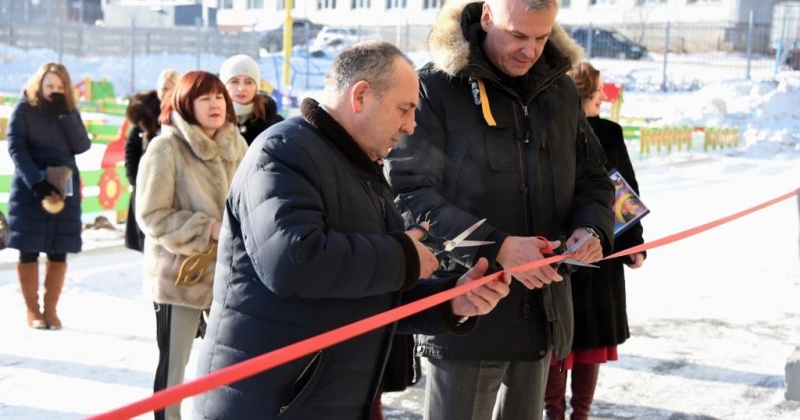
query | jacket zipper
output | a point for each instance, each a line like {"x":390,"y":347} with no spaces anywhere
{"x":525,"y":139}
{"x":381,"y":201}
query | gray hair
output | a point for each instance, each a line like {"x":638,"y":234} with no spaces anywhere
{"x":371,"y":61}
{"x":537,"y":6}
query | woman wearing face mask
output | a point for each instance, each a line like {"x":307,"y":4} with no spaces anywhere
{"x":255,"y":111}
{"x":598,"y":294}
{"x":45,"y":132}
{"x":183,"y":179}
{"x":142,"y":112}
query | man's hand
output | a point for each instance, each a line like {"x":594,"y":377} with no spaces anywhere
{"x":590,"y":252}
{"x":428,"y":263}
{"x":519,"y":250}
{"x":482,"y":300}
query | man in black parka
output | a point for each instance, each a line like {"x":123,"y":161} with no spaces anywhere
{"x":501,"y":135}
{"x":311,"y":242}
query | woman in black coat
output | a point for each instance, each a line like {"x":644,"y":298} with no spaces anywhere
{"x":255,"y":111}
{"x":45,"y":132}
{"x":143,"y":110}
{"x":601,"y":320}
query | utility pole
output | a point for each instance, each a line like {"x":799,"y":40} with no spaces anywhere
{"x":288,"y":24}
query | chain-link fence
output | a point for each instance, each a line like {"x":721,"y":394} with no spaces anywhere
{"x":676,"y":56}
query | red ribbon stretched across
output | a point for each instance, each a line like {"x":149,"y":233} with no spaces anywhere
{"x":267,"y":361}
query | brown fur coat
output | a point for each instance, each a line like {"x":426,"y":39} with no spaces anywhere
{"x":182,"y":184}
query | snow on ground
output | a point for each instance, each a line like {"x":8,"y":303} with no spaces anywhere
{"x":713,"y":317}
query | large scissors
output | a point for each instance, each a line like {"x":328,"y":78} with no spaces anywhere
{"x":548,"y":251}
{"x":441,"y":246}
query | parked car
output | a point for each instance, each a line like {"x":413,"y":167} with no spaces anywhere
{"x":607,"y":43}
{"x":303,"y":31}
{"x":331,"y":40}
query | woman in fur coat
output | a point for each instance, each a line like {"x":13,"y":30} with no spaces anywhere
{"x":183,"y":180}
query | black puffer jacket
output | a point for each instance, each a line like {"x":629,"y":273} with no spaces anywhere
{"x":310,"y":242}
{"x":252,"y":127}
{"x":529,"y":164}
{"x":39,"y":138}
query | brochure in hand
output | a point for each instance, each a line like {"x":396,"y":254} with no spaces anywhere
{"x":628,"y":207}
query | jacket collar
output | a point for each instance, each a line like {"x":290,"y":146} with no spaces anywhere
{"x":227,"y":141}
{"x":334,"y":133}
{"x":455,"y":44}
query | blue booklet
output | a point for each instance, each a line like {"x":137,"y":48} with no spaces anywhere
{"x":68,"y":189}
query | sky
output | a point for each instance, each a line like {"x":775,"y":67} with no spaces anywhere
{"x":714,"y":317}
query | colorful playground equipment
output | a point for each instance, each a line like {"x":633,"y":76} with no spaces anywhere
{"x":613,"y":93}
{"x":104,"y":189}
{"x":98,"y":96}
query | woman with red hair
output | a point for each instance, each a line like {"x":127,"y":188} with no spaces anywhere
{"x":183,"y":180}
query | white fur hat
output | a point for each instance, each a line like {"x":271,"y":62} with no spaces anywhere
{"x":240,"y":64}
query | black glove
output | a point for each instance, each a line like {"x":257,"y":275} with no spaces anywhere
{"x":43,"y":188}
{"x":57,"y":104}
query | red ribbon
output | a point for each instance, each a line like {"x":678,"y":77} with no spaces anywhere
{"x":267,"y":361}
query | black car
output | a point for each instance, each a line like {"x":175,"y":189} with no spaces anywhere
{"x":303,"y":32}
{"x":607,"y":43}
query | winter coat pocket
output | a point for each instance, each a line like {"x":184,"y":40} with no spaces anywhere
{"x":501,"y":149}
{"x":298,"y":391}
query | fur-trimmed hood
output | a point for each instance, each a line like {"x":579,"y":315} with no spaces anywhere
{"x":451,"y":51}
{"x":227,"y":141}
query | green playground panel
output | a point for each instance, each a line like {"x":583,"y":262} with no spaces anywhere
{"x":5,"y":187}
{"x":631,"y":132}
{"x":113,"y":108}
{"x":88,"y":106}
{"x":92,"y":204}
{"x":103,"y":133}
{"x":10,"y":100}
{"x":89,"y":204}
{"x":102,"y":90}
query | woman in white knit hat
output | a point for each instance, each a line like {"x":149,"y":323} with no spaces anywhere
{"x":255,"y":111}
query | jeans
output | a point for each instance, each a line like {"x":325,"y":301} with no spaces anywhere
{"x":482,"y":389}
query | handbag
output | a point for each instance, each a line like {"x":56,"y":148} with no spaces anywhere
{"x":194,"y":267}
{"x":3,"y":231}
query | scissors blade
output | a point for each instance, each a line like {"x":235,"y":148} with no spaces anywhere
{"x":571,"y":261}
{"x":574,"y":248}
{"x":455,"y":242}
{"x":463,"y":244}
{"x":577,"y":245}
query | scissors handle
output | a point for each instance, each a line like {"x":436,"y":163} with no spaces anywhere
{"x":547,"y":249}
{"x":436,"y":244}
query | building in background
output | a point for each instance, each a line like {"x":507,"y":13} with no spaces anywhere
{"x":160,"y":13}
{"x":64,"y":11}
{"x":265,"y":14}
{"x":627,"y":12}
